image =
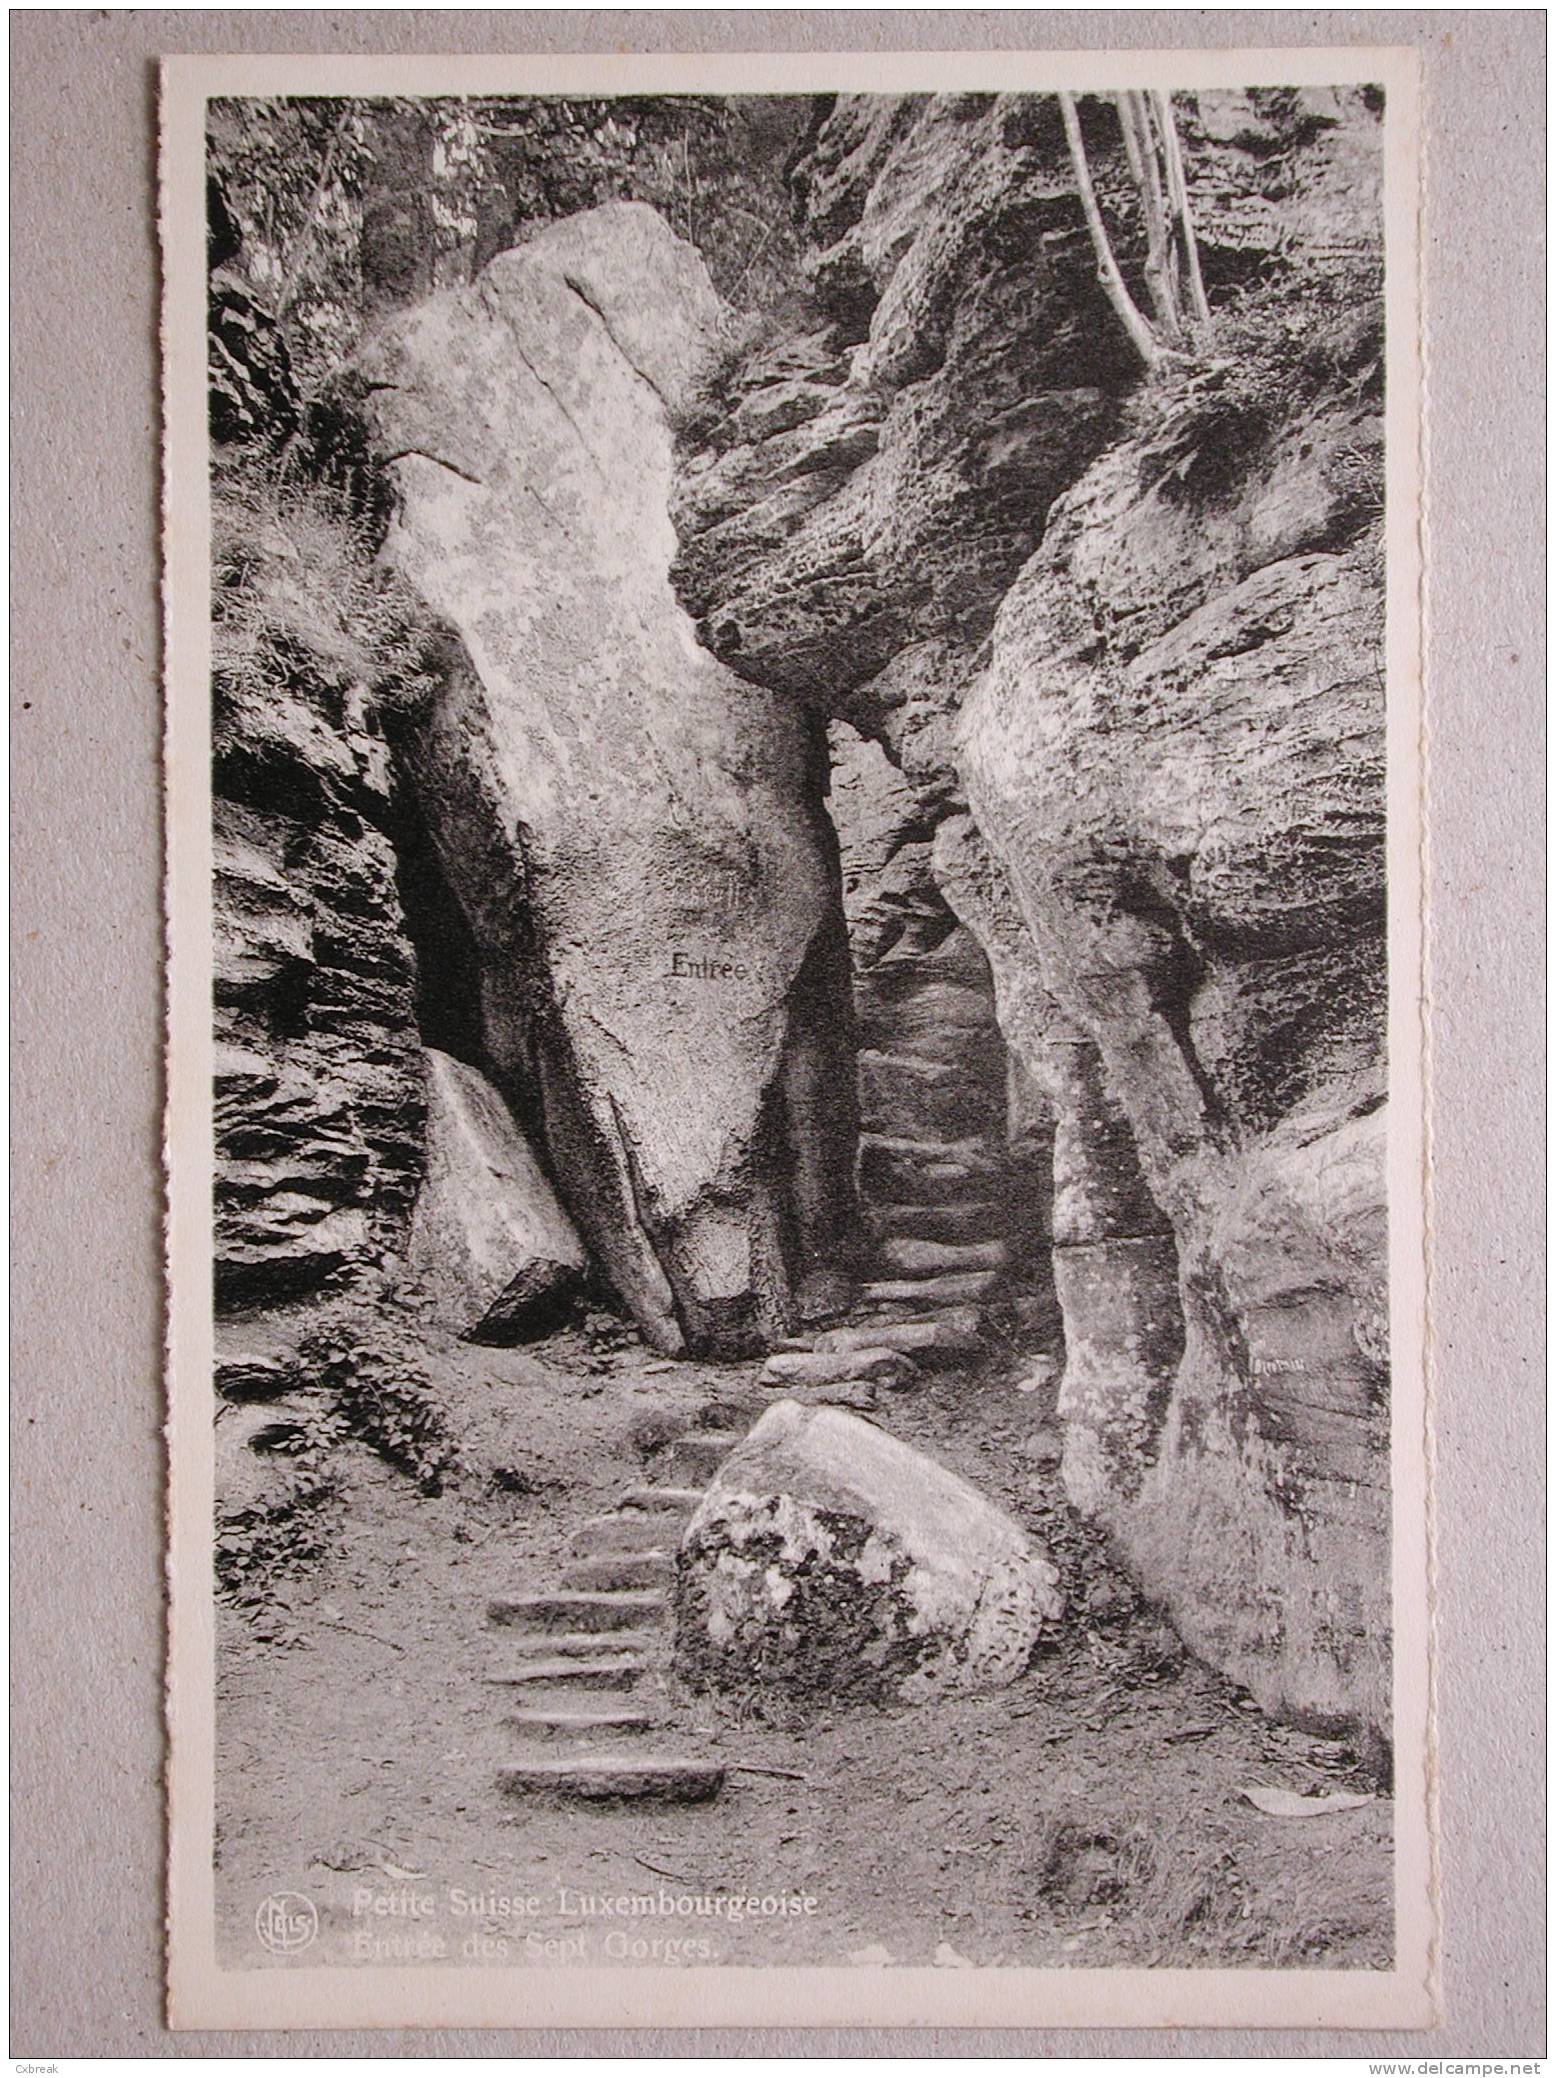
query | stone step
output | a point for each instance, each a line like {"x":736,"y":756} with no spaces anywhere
{"x":906,"y":1030}
{"x":973,"y":1151}
{"x":899,"y":1093}
{"x":619,"y":1670}
{"x":932,"y":1291}
{"x":933,"y":1258}
{"x":635,"y":1530}
{"x":622,"y":1569}
{"x":910,"y":1003}
{"x":793,"y":1367}
{"x":955,"y":1332}
{"x":584,"y":1716}
{"x":981,"y":1219}
{"x":924,"y":1172}
{"x":662,"y":1500}
{"x":699,"y":1453}
{"x":909,"y":1067}
{"x":612,"y":1777}
{"x":583,"y":1645}
{"x":576,"y":1609}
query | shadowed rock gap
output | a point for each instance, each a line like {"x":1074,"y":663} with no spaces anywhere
{"x":448,"y":968}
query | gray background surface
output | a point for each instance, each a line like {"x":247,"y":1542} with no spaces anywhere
{"x":86,"y":719}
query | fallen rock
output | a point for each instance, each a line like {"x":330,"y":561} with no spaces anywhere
{"x":833,"y":1366}
{"x":1041,"y":1376}
{"x":830,"y":1559}
{"x":255,"y":1469}
{"x":490,"y":1244}
{"x":244,"y":1374}
{"x":1043,"y":1447}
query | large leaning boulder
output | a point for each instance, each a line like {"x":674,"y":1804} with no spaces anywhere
{"x":830,"y":1559}
{"x":636,"y":835}
{"x":490,"y":1248}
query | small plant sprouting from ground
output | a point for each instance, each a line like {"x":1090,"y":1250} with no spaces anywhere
{"x":360,"y":1391}
{"x":258,"y":1546}
{"x":385,"y":1402}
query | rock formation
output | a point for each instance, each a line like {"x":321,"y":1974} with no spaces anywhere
{"x":318,"y":1070}
{"x":952,"y":1175}
{"x":830,"y":1560}
{"x":490,"y":1247}
{"x":635,"y":834}
{"x":902,"y":795}
{"x":1121,"y":639}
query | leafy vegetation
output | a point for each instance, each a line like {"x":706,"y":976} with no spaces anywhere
{"x":385,"y":1401}
{"x":298,"y":600}
{"x":263,"y":1541}
{"x":359,"y":1386}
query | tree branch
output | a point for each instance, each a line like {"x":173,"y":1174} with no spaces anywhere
{"x":1158,"y":229}
{"x":292,"y":266}
{"x":1130,"y":316}
{"x":1178,"y":189}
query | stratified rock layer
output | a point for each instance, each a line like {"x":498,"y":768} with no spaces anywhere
{"x":829,"y":1559}
{"x":634,"y":833}
{"x":961,"y":371}
{"x":1176,"y":757}
{"x":490,"y":1247}
{"x":318,"y":1077}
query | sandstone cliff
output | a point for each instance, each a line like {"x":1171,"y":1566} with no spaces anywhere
{"x":1121,"y":636}
{"x":895,"y":796}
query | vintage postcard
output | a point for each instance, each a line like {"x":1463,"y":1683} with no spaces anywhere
{"x":796,"y":1118}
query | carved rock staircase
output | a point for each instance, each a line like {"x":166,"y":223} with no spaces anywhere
{"x":584,"y":1663}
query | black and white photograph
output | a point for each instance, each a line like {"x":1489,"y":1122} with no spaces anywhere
{"x":795,"y":1118}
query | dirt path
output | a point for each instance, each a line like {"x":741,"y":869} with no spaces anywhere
{"x":1087,"y":1815}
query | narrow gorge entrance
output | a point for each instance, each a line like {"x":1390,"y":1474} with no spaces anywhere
{"x":955,"y":1165}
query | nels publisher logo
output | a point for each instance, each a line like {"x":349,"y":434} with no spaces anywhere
{"x":286,"y":1921}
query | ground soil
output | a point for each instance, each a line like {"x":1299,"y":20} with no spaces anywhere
{"x":1091,"y":1814}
